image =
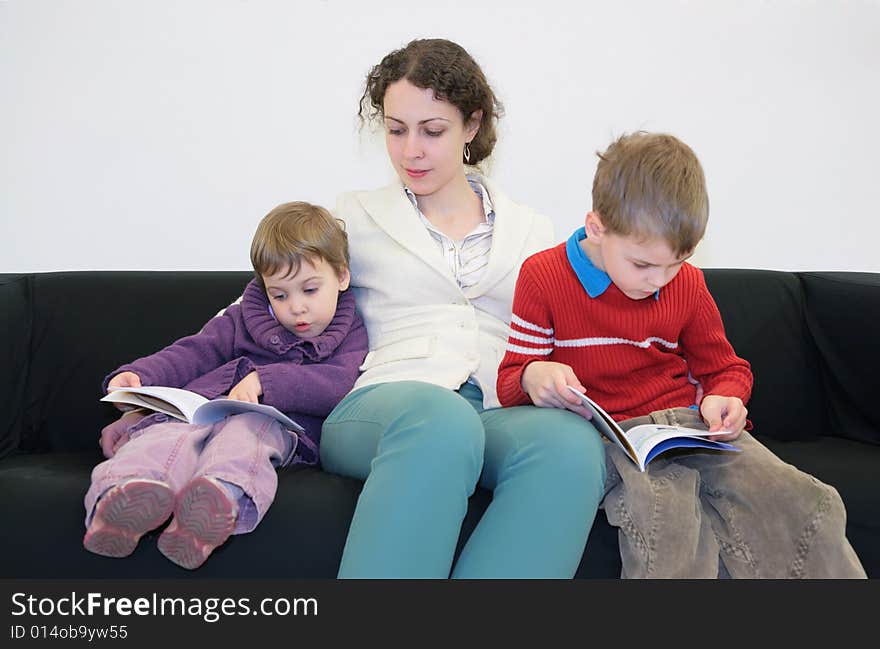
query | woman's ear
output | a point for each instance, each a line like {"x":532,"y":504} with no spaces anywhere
{"x":473,"y":124}
{"x":594,"y":226}
{"x":344,"y":279}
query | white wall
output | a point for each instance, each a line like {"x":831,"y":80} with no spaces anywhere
{"x":155,"y":134}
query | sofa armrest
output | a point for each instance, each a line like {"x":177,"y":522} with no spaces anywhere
{"x":15,"y":334}
{"x":843,"y":314}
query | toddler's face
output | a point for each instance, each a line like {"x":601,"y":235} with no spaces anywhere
{"x":305,"y":303}
{"x":639,"y":267}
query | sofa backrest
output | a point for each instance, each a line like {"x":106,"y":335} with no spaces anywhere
{"x":806,"y":335}
{"x":763,"y":314}
{"x":85,"y":324}
{"x":842,"y":311}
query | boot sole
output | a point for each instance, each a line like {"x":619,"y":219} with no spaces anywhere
{"x":204,"y":517}
{"x":124,"y":514}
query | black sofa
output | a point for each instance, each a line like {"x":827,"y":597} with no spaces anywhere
{"x":808,"y":336}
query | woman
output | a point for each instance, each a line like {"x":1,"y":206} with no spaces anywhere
{"x":434,"y":262}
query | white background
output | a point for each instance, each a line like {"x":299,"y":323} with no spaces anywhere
{"x":155,"y":134}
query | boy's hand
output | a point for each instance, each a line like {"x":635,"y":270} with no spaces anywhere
{"x":724,"y":413}
{"x":545,"y":382}
{"x":124,"y":380}
{"x":248,"y":389}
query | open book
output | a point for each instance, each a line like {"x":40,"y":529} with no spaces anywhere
{"x":192,"y":408}
{"x":644,"y":442}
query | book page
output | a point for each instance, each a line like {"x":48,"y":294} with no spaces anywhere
{"x":689,"y":443}
{"x":174,"y":402}
{"x":606,"y":425}
{"x":217,"y":409}
{"x":649,"y":440}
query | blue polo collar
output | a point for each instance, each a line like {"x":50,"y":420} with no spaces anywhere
{"x":594,"y":280}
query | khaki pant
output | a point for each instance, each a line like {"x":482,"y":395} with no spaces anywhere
{"x":721,"y":514}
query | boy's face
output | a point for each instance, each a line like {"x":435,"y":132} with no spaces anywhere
{"x":305,"y":303}
{"x":639,"y":267}
{"x":425,"y":137}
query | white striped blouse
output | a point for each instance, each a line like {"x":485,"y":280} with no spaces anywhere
{"x":468,"y":258}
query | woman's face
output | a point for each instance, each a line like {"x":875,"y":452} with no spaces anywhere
{"x":425,"y":137}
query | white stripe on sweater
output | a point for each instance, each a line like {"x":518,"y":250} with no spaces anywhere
{"x":592,"y":342}
{"x":515,"y":319}
{"x":538,"y":340}
{"x":529,"y":351}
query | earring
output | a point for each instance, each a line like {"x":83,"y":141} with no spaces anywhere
{"x":467,"y":152}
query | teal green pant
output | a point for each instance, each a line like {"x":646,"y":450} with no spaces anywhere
{"x":422,"y":449}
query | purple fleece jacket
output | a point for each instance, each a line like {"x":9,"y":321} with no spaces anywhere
{"x":304,"y":378}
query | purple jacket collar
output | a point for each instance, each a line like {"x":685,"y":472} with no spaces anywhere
{"x":270,"y":334}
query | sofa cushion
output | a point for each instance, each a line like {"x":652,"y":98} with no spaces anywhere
{"x":763,"y":314}
{"x":301,"y":536}
{"x":837,"y":305}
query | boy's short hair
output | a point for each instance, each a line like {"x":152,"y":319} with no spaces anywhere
{"x":652,"y":185}
{"x":297,"y":230}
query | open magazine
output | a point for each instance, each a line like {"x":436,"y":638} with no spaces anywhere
{"x":644,"y":442}
{"x":190,"y":407}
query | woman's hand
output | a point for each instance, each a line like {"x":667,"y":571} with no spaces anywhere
{"x":727,"y":415}
{"x":248,"y":389}
{"x":546,"y":384}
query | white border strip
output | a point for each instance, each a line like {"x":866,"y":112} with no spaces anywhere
{"x":593,"y":342}
{"x":530,"y":351}
{"x":515,"y":319}
{"x":538,"y":340}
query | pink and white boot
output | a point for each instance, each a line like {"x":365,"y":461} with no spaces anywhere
{"x":204,"y":517}
{"x":125,"y":513}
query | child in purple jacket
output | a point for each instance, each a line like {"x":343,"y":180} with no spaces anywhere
{"x":294,"y":341}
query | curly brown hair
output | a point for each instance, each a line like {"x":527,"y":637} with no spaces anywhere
{"x":447,"y":69}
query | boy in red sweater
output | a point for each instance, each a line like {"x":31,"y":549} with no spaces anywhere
{"x":618,"y":313}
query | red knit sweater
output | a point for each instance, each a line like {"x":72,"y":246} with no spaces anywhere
{"x":632,"y":356}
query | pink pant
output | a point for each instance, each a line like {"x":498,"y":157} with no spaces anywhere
{"x":243,"y":450}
